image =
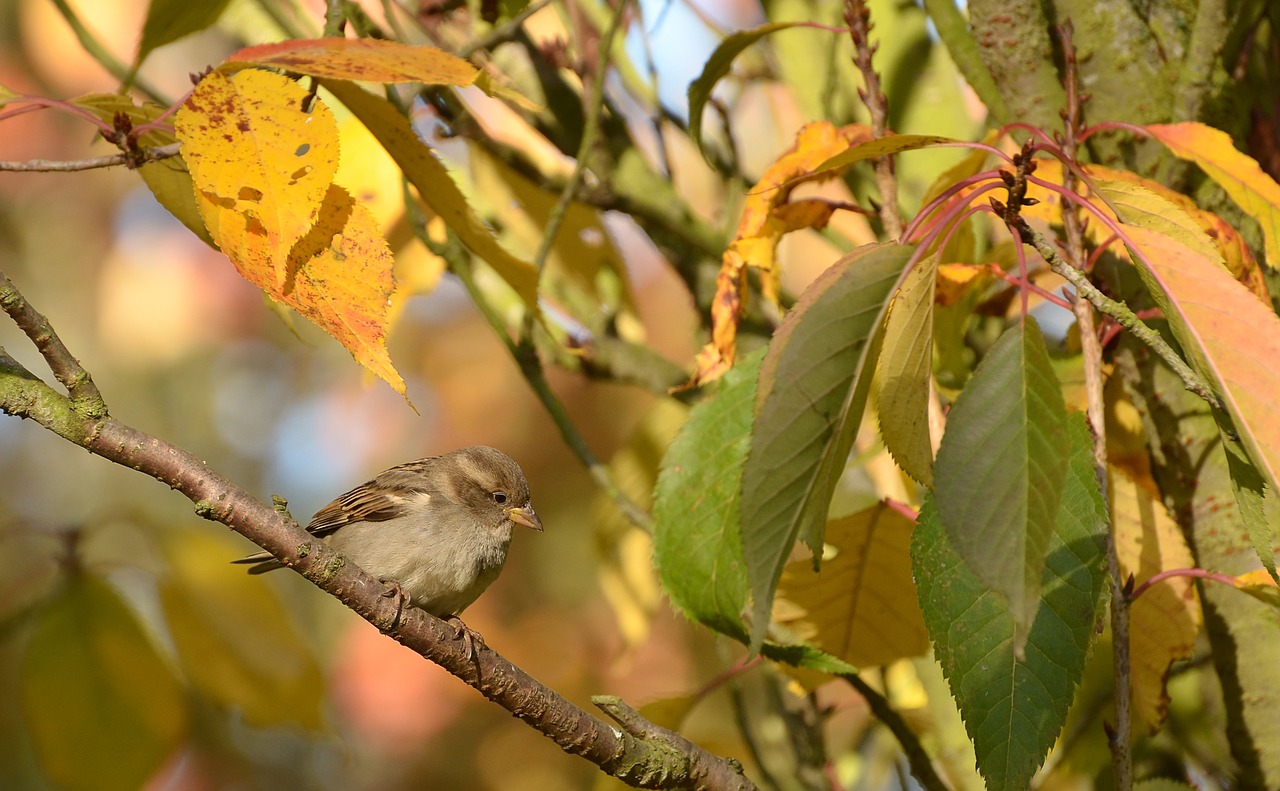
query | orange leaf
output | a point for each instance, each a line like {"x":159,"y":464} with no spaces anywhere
{"x":260,"y":164}
{"x":1239,"y":174}
{"x":766,"y":218}
{"x":862,"y":606}
{"x":1233,"y":339}
{"x":1164,"y":621}
{"x":364,"y":59}
{"x":339,"y":276}
{"x":815,"y":143}
{"x":344,"y":280}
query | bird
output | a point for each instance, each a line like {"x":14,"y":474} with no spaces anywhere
{"x":436,"y":530}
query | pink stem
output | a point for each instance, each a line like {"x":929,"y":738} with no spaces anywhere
{"x":1171,"y":573}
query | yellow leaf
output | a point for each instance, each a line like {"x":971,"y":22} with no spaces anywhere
{"x":342,"y":280}
{"x":862,"y":606}
{"x":1261,"y":586}
{"x":1152,"y":205}
{"x":261,"y":164}
{"x":954,"y":280}
{"x":436,"y":187}
{"x":1164,"y":621}
{"x":1239,"y":174}
{"x":362,"y":59}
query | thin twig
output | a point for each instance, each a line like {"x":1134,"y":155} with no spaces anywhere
{"x":502,"y":33}
{"x":921,"y":764}
{"x":1091,"y":349}
{"x":1120,"y":312}
{"x":857,"y":16}
{"x":93,"y":163}
{"x":594,"y":101}
{"x":85,"y":399}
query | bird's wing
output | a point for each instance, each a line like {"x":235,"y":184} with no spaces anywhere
{"x":378,"y":500}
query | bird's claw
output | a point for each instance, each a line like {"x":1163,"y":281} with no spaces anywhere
{"x":468,"y":635}
{"x":401,"y":596}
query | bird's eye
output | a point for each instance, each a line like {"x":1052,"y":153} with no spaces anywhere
{"x":499,"y":497}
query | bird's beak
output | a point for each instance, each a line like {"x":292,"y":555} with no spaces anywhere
{"x":525,"y":516}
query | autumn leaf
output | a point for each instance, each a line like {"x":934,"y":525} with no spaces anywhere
{"x":767,"y":216}
{"x":1260,"y":586}
{"x":342,"y":281}
{"x":262,"y":169}
{"x":1239,"y":174}
{"x":362,"y":59}
{"x":861,"y":607}
{"x":1233,"y":339}
{"x":1166,"y":619}
{"x":261,"y":164}
{"x":1151,"y":205}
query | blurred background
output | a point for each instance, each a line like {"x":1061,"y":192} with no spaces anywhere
{"x":277,"y":685}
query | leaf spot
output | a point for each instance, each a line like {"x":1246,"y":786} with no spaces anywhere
{"x":250,"y":194}
{"x":302,"y":149}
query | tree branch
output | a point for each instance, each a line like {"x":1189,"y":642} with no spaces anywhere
{"x":109,"y":161}
{"x":645,"y":757}
{"x":858,"y":16}
{"x":1091,"y":349}
{"x":85,"y":399}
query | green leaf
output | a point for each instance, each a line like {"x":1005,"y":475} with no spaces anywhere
{"x":697,"y":545}
{"x":717,"y":66}
{"x":103,"y":709}
{"x":435,"y":185}
{"x":1259,"y":506}
{"x":999,"y":473}
{"x":1013,"y":707}
{"x":812,"y":390}
{"x":905,"y":368}
{"x":170,"y":20}
{"x":237,"y":644}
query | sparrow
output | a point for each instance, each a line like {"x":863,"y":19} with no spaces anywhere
{"x":436,"y":529}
